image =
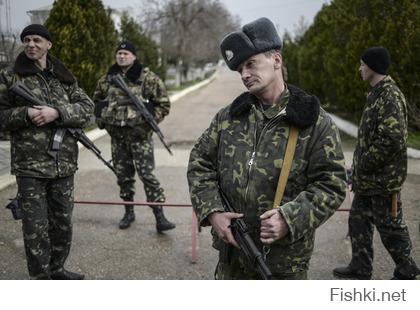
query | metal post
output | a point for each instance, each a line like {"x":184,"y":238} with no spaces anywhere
{"x":194,"y":233}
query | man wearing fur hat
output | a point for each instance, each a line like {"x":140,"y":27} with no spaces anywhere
{"x":379,"y":171}
{"x":243,"y":151}
{"x":131,"y":136}
{"x":44,"y":179}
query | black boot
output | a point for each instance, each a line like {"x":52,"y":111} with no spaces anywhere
{"x":66,"y":275}
{"x":162,"y":222}
{"x":408,"y":271}
{"x":128,"y":218}
{"x":349,"y":273}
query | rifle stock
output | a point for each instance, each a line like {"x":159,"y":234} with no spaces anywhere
{"x":247,"y":245}
{"x":141,"y":108}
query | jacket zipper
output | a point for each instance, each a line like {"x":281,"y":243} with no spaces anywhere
{"x":252,"y":159}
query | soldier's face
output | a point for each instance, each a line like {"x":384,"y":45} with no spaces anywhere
{"x":36,"y":47}
{"x":365,"y":72}
{"x":258,"y":73}
{"x":125,"y":58}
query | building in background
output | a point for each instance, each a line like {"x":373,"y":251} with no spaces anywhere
{"x":40,"y":15}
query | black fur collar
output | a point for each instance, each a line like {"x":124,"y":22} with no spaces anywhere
{"x":302,"y":109}
{"x":25,"y":67}
{"x":133,"y":74}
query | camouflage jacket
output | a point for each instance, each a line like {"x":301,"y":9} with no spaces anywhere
{"x":242,"y":151}
{"x":57,"y":87}
{"x":119,"y":111}
{"x":380,"y":157}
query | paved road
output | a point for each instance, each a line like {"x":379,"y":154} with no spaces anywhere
{"x":4,"y":157}
{"x":102,"y":251}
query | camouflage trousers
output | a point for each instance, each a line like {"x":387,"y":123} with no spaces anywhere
{"x":367,"y":212}
{"x":47,"y":206}
{"x":131,"y":153}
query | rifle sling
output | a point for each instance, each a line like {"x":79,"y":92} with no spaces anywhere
{"x":287,"y":165}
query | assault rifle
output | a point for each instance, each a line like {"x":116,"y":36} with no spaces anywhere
{"x":23,"y":91}
{"x":20,"y":89}
{"x":140,"y":108}
{"x":247,"y":245}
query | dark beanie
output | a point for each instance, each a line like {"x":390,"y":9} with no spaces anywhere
{"x":377,"y":58}
{"x":126,"y":45}
{"x":256,"y":37}
{"x":35,"y":29}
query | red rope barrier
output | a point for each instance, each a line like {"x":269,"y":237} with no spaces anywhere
{"x":131,"y":203}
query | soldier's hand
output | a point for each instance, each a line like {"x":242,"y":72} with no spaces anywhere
{"x":221,"y":224}
{"x":32,"y":112}
{"x":42,"y":115}
{"x":273,"y":226}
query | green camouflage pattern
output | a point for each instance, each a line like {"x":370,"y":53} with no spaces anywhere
{"x":131,"y":153}
{"x":245,"y":155}
{"x":29,"y":143}
{"x":131,"y":136}
{"x":380,"y":157}
{"x":368,"y":212}
{"x":47,"y":206}
{"x":120,"y":112}
{"x":236,"y":271}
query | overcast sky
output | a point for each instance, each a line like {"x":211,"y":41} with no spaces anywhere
{"x":285,"y":14}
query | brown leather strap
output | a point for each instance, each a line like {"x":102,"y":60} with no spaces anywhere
{"x":287,"y":165}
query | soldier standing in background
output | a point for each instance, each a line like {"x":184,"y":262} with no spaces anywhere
{"x":45,"y":182}
{"x":131,"y":136}
{"x":378,"y":173}
{"x":243,"y":151}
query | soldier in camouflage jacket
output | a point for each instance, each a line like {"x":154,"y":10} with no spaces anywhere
{"x":45,"y":184}
{"x":131,"y":136}
{"x":379,"y":171}
{"x":242,"y":152}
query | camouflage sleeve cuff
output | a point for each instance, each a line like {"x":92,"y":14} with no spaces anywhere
{"x":283,"y":210}
{"x":61,"y":114}
{"x":203,"y":218}
{"x":19,"y":118}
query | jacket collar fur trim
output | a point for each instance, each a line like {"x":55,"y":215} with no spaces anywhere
{"x":26,"y":67}
{"x":302,"y":110}
{"x":133,"y":74}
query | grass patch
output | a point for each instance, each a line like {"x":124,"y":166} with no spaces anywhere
{"x":173,"y":89}
{"x":184,"y":85}
{"x":414,"y":139}
{"x":347,"y":138}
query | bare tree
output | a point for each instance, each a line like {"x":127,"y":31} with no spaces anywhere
{"x":189,"y":31}
{"x":8,"y":49}
{"x":300,"y":28}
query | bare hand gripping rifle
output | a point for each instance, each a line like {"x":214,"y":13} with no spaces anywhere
{"x":140,"y":108}
{"x":20,"y":89}
{"x":247,"y":245}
